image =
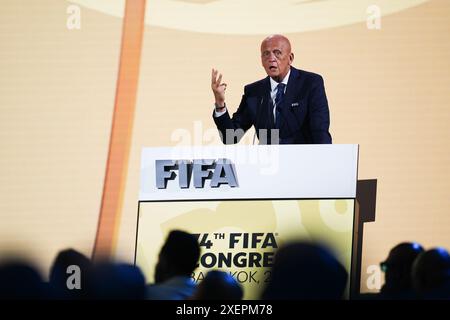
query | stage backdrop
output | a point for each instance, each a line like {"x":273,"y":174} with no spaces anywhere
{"x":386,"y":79}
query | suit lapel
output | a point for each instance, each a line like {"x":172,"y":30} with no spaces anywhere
{"x":292,"y":87}
{"x":264,"y":110}
{"x":266,"y":106}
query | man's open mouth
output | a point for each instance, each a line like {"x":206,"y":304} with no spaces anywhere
{"x":272,"y":68}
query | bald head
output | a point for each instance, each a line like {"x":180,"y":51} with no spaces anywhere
{"x":279,"y":38}
{"x":276,"y":56}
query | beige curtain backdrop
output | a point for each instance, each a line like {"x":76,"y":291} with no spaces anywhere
{"x":387,"y":91}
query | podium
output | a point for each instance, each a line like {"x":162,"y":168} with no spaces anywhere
{"x":244,"y":202}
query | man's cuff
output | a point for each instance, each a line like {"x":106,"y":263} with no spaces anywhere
{"x":219,"y":113}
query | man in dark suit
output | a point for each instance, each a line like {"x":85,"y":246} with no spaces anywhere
{"x":289,"y":106}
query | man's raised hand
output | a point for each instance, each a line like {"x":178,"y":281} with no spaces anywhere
{"x":218,"y":88}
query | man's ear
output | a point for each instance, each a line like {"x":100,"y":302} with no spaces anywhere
{"x":291,"y":57}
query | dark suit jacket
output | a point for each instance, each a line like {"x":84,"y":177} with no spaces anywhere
{"x":304,"y":112}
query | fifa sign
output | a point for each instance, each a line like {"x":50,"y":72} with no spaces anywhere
{"x":219,"y":172}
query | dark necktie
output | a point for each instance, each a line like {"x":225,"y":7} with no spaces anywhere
{"x":278,"y":104}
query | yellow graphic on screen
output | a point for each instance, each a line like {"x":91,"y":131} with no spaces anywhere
{"x":227,"y":215}
{"x":241,"y":236}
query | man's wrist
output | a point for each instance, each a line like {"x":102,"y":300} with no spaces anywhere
{"x":220,"y":108}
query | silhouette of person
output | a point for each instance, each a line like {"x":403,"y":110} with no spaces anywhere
{"x":431,"y":274}
{"x":218,"y":285}
{"x":59,"y":275}
{"x":177,"y":260}
{"x":116,"y":281}
{"x":303,"y":270}
{"x":20,"y":280}
{"x":397,"y":268}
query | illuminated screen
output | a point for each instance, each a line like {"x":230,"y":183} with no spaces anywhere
{"x":241,"y":236}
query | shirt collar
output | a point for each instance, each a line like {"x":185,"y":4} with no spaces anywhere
{"x":274,"y":84}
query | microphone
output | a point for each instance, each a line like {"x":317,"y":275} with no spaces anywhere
{"x":258,"y":115}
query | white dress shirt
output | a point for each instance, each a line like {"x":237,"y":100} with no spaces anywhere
{"x":274,"y":89}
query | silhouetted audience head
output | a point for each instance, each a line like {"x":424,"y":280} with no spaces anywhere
{"x":397,"y":268}
{"x":60,"y":274}
{"x":19,"y":280}
{"x":218,"y":285}
{"x":116,"y":281}
{"x":431,"y":274}
{"x":302,"y":270}
{"x":178,"y":256}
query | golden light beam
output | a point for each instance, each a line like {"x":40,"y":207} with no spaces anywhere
{"x":122,"y":128}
